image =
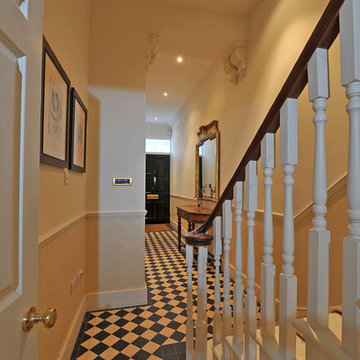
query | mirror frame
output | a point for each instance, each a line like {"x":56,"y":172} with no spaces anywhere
{"x":208,"y":132}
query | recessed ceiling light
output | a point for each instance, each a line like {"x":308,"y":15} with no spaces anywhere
{"x":165,"y":94}
{"x":179,"y":59}
{"x":155,"y":117}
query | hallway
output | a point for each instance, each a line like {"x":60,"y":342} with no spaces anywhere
{"x":154,"y":331}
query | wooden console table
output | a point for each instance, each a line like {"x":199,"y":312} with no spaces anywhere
{"x":193,"y":215}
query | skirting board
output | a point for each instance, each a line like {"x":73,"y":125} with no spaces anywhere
{"x":96,"y":301}
{"x":70,"y":339}
{"x":117,"y":299}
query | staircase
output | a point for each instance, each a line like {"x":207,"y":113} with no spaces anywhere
{"x":320,"y":335}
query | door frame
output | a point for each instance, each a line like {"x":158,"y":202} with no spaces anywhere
{"x":21,"y":36}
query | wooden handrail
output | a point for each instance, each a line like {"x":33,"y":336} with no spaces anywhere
{"x":324,"y":34}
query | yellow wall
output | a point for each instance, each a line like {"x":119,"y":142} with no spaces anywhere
{"x":278,"y":30}
{"x":66,"y":27}
{"x":59,"y":262}
{"x":118,"y":44}
{"x":91,"y":40}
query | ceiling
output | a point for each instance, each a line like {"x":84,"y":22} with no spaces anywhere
{"x":211,"y":29}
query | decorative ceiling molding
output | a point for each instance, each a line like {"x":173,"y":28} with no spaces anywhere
{"x":153,"y":40}
{"x":235,"y":64}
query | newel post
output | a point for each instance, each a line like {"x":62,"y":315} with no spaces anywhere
{"x":217,"y":249}
{"x":189,"y":320}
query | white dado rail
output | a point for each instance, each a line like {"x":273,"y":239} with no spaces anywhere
{"x":322,"y":336}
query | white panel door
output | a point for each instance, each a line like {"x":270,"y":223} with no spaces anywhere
{"x":20,"y":84}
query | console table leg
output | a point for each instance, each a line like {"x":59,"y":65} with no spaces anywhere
{"x":189,"y":226}
{"x":179,"y":233}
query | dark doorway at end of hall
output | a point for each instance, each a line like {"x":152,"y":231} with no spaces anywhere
{"x":157,"y":195}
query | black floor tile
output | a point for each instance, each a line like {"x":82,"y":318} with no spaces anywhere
{"x":142,"y":327}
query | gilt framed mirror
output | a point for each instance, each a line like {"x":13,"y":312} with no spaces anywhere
{"x":207,"y":162}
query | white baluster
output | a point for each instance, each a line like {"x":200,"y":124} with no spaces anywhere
{"x":238,"y":287}
{"x":227,"y":234}
{"x":319,"y":236}
{"x":288,"y":281}
{"x":267,"y":267}
{"x":350,"y":77}
{"x":217,"y":249}
{"x":201,"y":320}
{"x":189,"y":321}
{"x":250,"y":298}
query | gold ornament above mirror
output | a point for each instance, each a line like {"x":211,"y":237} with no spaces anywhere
{"x":207,"y":162}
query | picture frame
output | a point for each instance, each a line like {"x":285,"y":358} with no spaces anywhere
{"x":78,"y":131}
{"x":55,"y":107}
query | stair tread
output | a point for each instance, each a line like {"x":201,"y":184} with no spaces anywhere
{"x":329,"y":337}
{"x":335,"y":325}
{"x":217,"y":351}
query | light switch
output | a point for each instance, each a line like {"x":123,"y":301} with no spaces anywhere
{"x":122,"y":181}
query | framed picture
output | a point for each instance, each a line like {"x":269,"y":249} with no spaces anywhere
{"x":78,"y":116}
{"x":54,"y":143}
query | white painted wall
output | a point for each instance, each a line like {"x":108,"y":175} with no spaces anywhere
{"x":121,"y":144}
{"x":115,"y":257}
{"x":278,"y":31}
{"x":157,"y":131}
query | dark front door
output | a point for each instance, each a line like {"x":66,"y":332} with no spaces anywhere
{"x":157,"y":197}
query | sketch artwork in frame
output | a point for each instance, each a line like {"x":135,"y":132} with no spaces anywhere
{"x":78,"y":133}
{"x":55,"y":111}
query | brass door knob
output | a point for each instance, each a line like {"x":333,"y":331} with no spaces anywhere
{"x":32,"y":317}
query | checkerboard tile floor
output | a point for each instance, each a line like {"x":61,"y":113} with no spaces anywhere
{"x":156,"y":330}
